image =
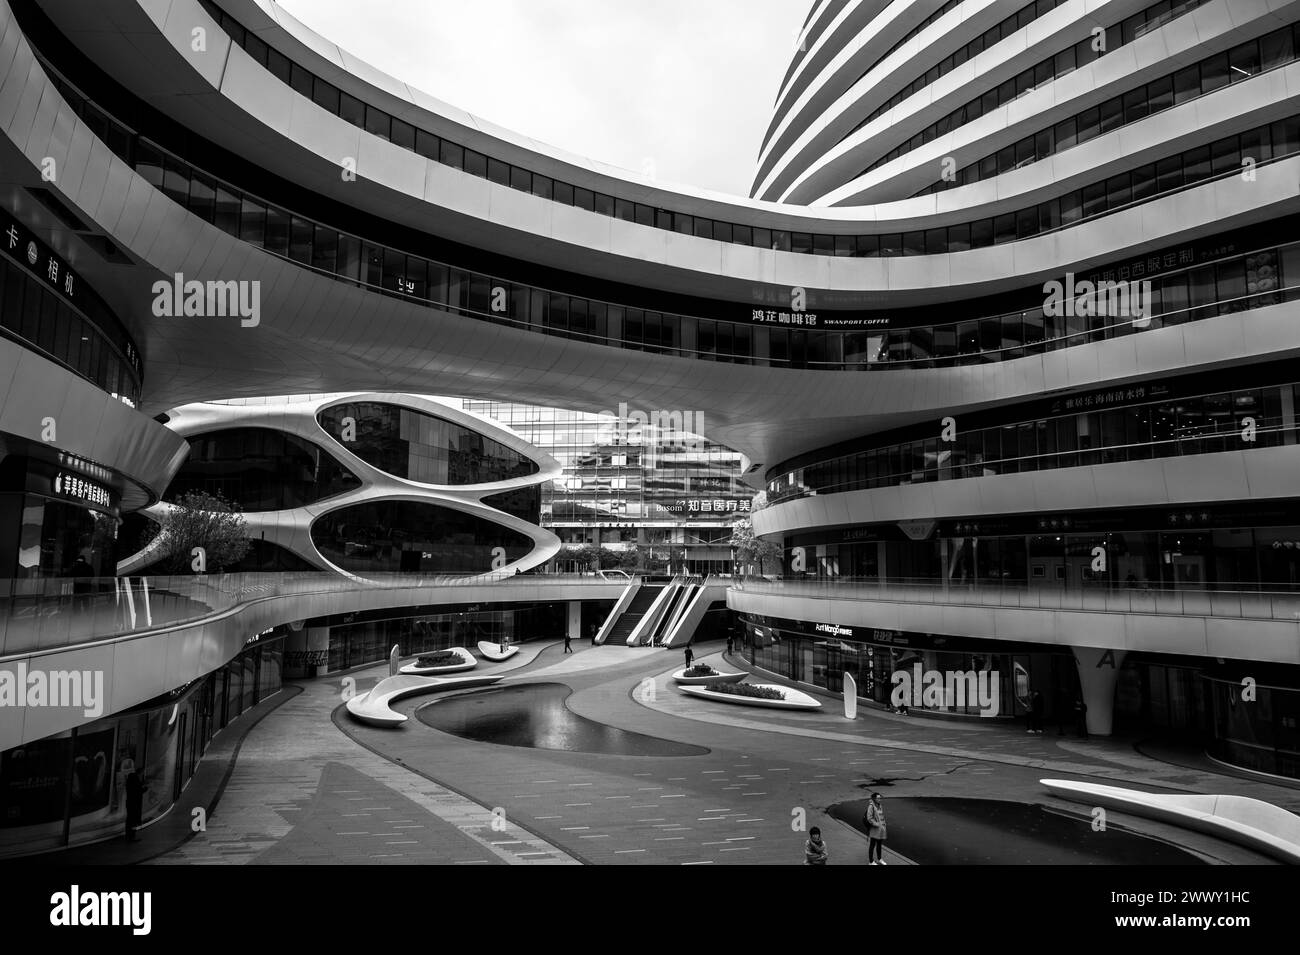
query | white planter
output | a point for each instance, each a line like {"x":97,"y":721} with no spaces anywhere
{"x":467,"y":662}
{"x":681,"y":678}
{"x":492,"y":651}
{"x":373,"y":708}
{"x":794,"y":699}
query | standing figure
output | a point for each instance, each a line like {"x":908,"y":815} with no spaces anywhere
{"x":690,"y":657}
{"x":876,"y":831}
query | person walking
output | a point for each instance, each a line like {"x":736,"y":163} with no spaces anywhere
{"x":1029,"y":713}
{"x":690,"y":657}
{"x":814,"y":850}
{"x":1036,"y":699}
{"x":568,"y":641}
{"x":134,"y":800}
{"x":728,"y":643}
{"x":1081,"y":717}
{"x":876,"y":832}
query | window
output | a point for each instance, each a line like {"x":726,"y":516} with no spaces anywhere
{"x":325,"y":96}
{"x":1243,"y":61}
{"x":498,"y":172}
{"x":378,"y":122}
{"x":542,"y":186}
{"x":426,"y":145}
{"x":449,"y":154}
{"x":1187,"y":84}
{"x":475,"y":164}
{"x":1214,"y":73}
{"x":1112,"y":114}
{"x":1004,"y":228}
{"x":403,"y":134}
{"x":521,"y":179}
{"x":1089,"y":123}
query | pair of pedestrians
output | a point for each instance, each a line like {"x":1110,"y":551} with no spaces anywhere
{"x":815,"y":851}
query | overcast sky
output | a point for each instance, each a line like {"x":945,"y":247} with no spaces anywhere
{"x":684,"y":85}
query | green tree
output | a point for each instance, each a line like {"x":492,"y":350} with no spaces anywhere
{"x":751,"y":551}
{"x":199,"y":519}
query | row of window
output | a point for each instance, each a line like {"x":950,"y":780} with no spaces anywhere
{"x":393,"y":272}
{"x":1240,"y":63}
{"x":974,"y":48}
{"x":1054,"y":67}
{"x":829,"y":15}
{"x":401,"y":133}
{"x":784,"y":106}
{"x":32,"y":312}
{"x":1227,"y":421}
{"x":1239,"y":557}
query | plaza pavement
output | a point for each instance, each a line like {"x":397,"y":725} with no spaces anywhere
{"x":308,"y":784}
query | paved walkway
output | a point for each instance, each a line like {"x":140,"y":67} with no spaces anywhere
{"x":303,"y":792}
{"x":311,"y":785}
{"x":1006,"y":744}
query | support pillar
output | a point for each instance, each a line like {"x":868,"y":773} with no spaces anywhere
{"x":574,"y":628}
{"x":1098,"y":672}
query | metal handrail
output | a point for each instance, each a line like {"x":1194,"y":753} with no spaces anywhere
{"x":1246,"y":601}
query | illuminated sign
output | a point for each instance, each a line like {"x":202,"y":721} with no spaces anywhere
{"x":707,"y":506}
{"x":834,"y":629}
{"x":81,"y":489}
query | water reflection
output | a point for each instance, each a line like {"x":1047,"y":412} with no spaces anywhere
{"x":951,"y":831}
{"x":534,"y":715}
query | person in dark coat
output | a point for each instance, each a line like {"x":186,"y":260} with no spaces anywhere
{"x":690,"y":657}
{"x":814,"y":850}
{"x":134,"y":801}
{"x":876,"y":832}
{"x":1036,"y":701}
{"x":567,"y":642}
{"x":1081,"y":717}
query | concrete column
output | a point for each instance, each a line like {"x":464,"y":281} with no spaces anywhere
{"x":575,"y":620}
{"x":1098,"y":671}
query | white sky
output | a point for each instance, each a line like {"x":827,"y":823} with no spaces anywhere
{"x":684,"y":85}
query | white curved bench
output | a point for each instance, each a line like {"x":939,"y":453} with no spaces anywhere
{"x":467,"y":662}
{"x":1250,"y":822}
{"x":373,"y":707}
{"x":492,"y":651}
{"x":794,"y":699}
{"x":681,"y":678}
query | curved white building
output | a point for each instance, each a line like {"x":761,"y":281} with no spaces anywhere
{"x":1007,"y":328}
{"x":366,"y":484}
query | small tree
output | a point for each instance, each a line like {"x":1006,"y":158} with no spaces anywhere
{"x":609,"y":558}
{"x":749,"y":549}
{"x":199,"y":519}
{"x":586,"y":556}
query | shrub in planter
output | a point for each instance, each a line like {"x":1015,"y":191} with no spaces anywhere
{"x":442,"y":658}
{"x":748,"y":689}
{"x":700,"y":669}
